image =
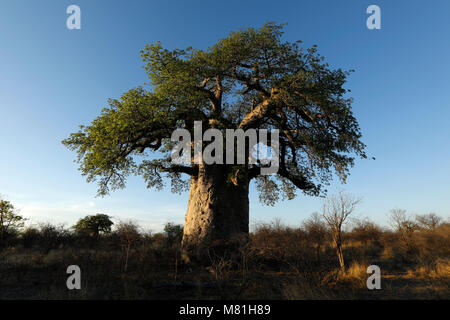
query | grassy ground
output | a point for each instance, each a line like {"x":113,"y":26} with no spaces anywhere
{"x":277,"y":263}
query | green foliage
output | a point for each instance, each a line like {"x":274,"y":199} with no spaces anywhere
{"x":250,"y":79}
{"x":173,"y":232}
{"x":10,"y":221}
{"x":94,"y":225}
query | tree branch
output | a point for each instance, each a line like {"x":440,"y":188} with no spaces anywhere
{"x":192,"y":171}
{"x":260,"y":112}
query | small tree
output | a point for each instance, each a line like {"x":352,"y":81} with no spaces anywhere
{"x":94,"y":225}
{"x":173,"y":232}
{"x":405,"y":227}
{"x":401,"y":223}
{"x":10,"y":221}
{"x":129,"y":235}
{"x":336,"y":210}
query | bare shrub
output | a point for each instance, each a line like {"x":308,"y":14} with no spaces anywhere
{"x":316,"y":231}
{"x":405,"y":227}
{"x":336,"y":210}
{"x":128,"y":233}
{"x":428,"y":221}
{"x":281,"y":246}
{"x":366,"y":231}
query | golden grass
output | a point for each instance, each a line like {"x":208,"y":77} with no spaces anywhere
{"x":355,"y":275}
{"x":439,"y":269}
{"x":277,"y":263}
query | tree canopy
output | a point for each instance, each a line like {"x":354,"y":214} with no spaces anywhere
{"x":10,"y":221}
{"x":250,"y":79}
{"x":96,"y":224}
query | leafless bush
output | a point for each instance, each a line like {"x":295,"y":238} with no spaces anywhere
{"x":128,"y":233}
{"x":316,"y":230}
{"x":336,"y":210}
{"x":366,"y":231}
{"x":428,"y":221}
{"x":405,"y":227}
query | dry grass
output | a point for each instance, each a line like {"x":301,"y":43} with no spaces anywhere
{"x":440,"y":269}
{"x":356,"y":274}
{"x":278,"y":263}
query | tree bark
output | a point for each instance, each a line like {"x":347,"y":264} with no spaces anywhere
{"x":217,"y":218}
{"x":340,"y":253}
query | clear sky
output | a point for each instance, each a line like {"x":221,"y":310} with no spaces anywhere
{"x":53,"y":79}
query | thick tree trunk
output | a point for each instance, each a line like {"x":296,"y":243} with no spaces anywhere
{"x":217,"y":217}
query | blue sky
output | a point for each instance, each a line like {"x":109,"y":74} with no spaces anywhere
{"x":53,"y":79}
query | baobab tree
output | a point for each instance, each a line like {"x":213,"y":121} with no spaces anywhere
{"x":251,"y":79}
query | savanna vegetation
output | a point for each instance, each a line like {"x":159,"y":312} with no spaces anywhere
{"x":250,"y":81}
{"x":307,"y":261}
